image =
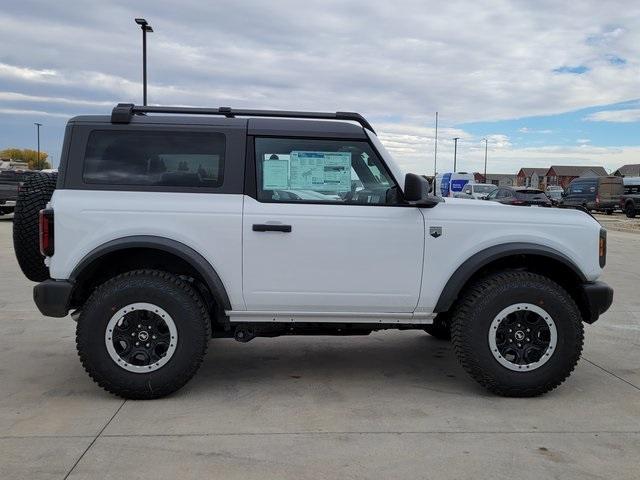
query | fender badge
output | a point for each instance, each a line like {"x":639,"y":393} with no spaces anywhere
{"x":435,"y":232}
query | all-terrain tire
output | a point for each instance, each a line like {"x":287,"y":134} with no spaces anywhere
{"x":33,"y":197}
{"x":630,"y":210}
{"x":440,"y":328}
{"x":178,"y":299}
{"x":481,"y":304}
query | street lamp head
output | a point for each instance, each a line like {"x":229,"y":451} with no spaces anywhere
{"x":147,"y":28}
{"x":141,"y":21}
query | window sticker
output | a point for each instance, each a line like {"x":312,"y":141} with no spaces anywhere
{"x":275,"y":172}
{"x":320,"y":171}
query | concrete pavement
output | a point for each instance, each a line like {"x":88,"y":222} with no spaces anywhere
{"x":389,"y":405}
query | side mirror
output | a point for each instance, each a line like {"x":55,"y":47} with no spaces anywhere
{"x":416,"y":191}
{"x":563,"y":194}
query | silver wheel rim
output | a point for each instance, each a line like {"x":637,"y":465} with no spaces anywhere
{"x":523,"y":310}
{"x":114,"y":337}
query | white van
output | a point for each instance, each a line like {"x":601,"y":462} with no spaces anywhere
{"x":451,"y":183}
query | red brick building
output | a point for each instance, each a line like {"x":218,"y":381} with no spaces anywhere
{"x":531,"y":177}
{"x":563,"y":174}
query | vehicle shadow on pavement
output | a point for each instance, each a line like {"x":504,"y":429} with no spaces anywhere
{"x":379,"y":360}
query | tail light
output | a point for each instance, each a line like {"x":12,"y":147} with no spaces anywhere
{"x":602,"y":248}
{"x":518,"y":202}
{"x":46,"y":232}
{"x":597,"y":198}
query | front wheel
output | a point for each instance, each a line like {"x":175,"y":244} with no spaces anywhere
{"x":518,"y":334}
{"x":143,"y":334}
{"x":630,"y":211}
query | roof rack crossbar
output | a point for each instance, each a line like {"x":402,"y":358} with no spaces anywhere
{"x":123,"y":113}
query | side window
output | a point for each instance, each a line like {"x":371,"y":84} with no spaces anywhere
{"x":166,"y":158}
{"x":326,"y":171}
{"x":493,"y":194}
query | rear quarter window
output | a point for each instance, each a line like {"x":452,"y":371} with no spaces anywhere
{"x":145,"y":158}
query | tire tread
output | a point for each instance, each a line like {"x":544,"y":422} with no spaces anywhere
{"x":463,"y":344}
{"x":129,"y":390}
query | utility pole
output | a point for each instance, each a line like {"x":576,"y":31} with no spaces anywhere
{"x":455,"y":152}
{"x":486,"y":142}
{"x":435,"y":152}
{"x":145,"y":27}
{"x":38,"y":125}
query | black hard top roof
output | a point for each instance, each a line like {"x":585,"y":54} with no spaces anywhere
{"x":258,"y":122}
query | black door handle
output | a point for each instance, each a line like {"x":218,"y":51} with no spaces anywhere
{"x":271,"y":227}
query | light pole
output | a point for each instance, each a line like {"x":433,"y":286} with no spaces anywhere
{"x":455,"y":152}
{"x":435,"y":153}
{"x":145,"y":27}
{"x":486,"y":142}
{"x":38,"y":125}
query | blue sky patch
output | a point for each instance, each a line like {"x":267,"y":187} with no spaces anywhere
{"x":578,"y":69}
{"x":570,"y":129}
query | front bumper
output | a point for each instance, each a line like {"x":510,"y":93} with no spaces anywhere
{"x":598,"y":298}
{"x":53,"y":297}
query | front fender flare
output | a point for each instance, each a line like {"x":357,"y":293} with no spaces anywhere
{"x":484,"y":257}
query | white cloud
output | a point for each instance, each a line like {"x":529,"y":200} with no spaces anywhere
{"x":395,"y":63}
{"x":36,"y":113}
{"x":415,"y":153}
{"x":530,"y":130}
{"x":619,"y":116}
{"x":405,"y":61}
{"x":20,"y":97}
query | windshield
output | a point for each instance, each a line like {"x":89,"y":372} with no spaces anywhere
{"x":395,"y":169}
{"x":484,"y":188}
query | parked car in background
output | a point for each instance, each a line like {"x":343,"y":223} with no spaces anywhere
{"x":10,"y":182}
{"x":555,"y":195}
{"x":595,"y":193}
{"x":477,"y":191}
{"x":519,"y":196}
{"x":630,"y":200}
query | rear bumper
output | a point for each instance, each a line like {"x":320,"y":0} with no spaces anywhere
{"x":599,"y":297}
{"x":52,"y":297}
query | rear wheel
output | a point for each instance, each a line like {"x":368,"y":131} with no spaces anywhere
{"x":518,"y":334}
{"x":630,"y":210}
{"x":143,"y":334}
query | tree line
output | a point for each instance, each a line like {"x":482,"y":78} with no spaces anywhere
{"x":29,"y":156}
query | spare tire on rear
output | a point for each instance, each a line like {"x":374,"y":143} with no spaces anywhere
{"x":32,"y":197}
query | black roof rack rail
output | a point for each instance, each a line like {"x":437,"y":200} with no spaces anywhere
{"x":124,"y":112}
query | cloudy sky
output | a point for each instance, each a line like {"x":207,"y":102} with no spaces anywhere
{"x":546,"y":82}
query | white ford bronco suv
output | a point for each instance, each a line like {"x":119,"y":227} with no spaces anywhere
{"x":169,"y":226}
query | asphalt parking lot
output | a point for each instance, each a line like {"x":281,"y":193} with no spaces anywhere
{"x":389,"y":405}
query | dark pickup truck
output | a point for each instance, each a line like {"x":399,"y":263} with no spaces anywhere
{"x":630,"y":200}
{"x":10,"y":181}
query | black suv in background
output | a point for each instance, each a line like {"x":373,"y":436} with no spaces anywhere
{"x":594,"y":193}
{"x":519,"y":196}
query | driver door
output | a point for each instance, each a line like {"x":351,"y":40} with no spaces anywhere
{"x":325,"y":232}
